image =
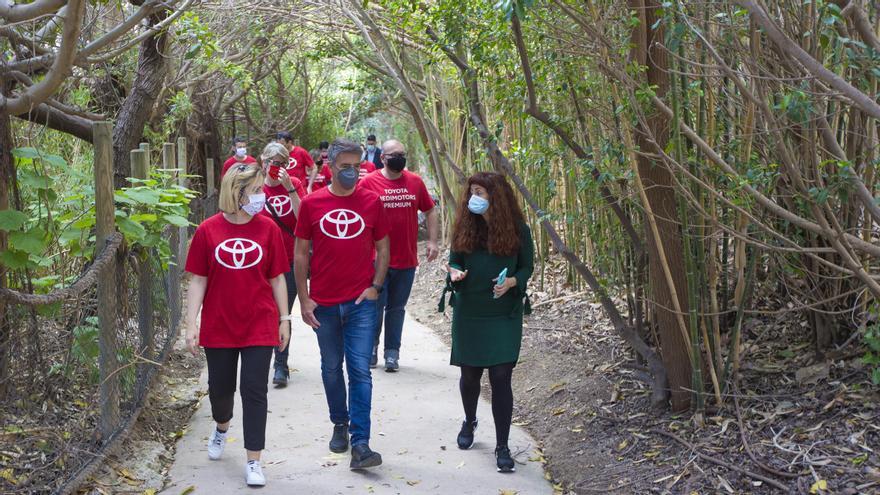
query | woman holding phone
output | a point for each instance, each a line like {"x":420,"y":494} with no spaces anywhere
{"x":490,"y":263}
{"x":283,"y":194}
{"x":237,"y":265}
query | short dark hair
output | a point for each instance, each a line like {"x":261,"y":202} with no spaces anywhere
{"x":341,"y":146}
{"x":323,"y":145}
{"x":284,"y":135}
{"x":238,"y":139}
{"x":371,"y":137}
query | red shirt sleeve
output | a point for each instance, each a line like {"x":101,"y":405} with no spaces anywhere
{"x":303,"y":222}
{"x":425,"y":201}
{"x":279,"y":255}
{"x":197,"y":257}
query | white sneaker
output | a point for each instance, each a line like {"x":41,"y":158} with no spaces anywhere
{"x":254,"y":474}
{"x":216,"y":444}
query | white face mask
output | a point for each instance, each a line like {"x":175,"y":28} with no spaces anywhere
{"x":241,"y":152}
{"x":255,"y":205}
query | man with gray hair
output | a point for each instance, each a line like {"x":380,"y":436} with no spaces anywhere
{"x":343,"y":224}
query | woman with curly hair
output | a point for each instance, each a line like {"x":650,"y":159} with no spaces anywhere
{"x":490,"y":263}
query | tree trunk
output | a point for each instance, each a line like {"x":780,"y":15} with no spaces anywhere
{"x":648,"y":50}
{"x":135,"y":111}
{"x":6,"y":175}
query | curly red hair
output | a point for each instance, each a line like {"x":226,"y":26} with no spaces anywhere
{"x":499,"y":236}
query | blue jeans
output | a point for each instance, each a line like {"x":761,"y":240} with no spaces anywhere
{"x":346,"y":334}
{"x":392,"y":306}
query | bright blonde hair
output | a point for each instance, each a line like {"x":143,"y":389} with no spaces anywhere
{"x":238,"y":179}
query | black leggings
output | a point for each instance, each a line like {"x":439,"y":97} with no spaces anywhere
{"x":281,"y":357}
{"x":222,"y":368}
{"x":502,"y":396}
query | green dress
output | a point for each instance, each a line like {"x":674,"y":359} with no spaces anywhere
{"x":488,"y":331}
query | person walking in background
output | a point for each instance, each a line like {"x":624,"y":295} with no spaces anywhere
{"x":300,"y":162}
{"x":321,"y":177}
{"x":403,"y":196}
{"x":490,"y":262}
{"x":344,"y":224}
{"x":239,"y":155}
{"x":283,"y":195}
{"x":372,"y":153}
{"x":237,"y":264}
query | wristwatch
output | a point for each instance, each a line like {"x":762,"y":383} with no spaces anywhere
{"x":291,"y":191}
{"x":377,"y":287}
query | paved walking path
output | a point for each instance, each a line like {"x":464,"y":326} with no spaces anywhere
{"x":416,"y":416}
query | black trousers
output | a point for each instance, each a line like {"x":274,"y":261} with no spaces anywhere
{"x":222,"y":370}
{"x":502,"y":396}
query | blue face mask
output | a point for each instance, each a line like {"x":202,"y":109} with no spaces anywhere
{"x":478,"y":205}
{"x":371,"y":148}
{"x":348,"y":177}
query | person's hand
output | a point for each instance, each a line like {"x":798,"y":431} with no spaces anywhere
{"x":284,"y":177}
{"x":370,"y":294}
{"x":455,"y":274}
{"x":283,"y":334}
{"x":192,"y":339}
{"x":307,"y":309}
{"x":500,"y":290}
{"x":432,"y":251}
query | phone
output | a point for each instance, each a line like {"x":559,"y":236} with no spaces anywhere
{"x":501,"y":277}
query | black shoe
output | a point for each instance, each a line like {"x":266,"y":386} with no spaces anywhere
{"x":466,"y":435}
{"x":281,"y":377}
{"x":362,"y":457}
{"x":504,"y":461}
{"x":339,"y":442}
{"x":392,"y":360}
{"x":374,"y":358}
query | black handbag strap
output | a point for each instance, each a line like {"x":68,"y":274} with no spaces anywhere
{"x":281,"y":224}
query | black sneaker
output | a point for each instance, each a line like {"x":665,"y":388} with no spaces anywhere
{"x":281,"y":377}
{"x":362,"y":457}
{"x":504,"y":461}
{"x":339,"y":442}
{"x":392,"y":360}
{"x":374,"y":358}
{"x":466,"y":434}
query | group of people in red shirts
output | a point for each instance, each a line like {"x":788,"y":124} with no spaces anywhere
{"x":336,"y":230}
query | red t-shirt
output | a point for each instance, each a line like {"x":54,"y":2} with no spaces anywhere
{"x":239,"y":309}
{"x":232,"y":160}
{"x":278,"y":198}
{"x":322,"y":178}
{"x":300,"y":160}
{"x":343,"y":231}
{"x":366,"y":168}
{"x":402,"y":199}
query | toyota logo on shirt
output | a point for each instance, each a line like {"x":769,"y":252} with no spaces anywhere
{"x":342,"y":224}
{"x":238,"y":253}
{"x":291,"y":164}
{"x":281,"y":205}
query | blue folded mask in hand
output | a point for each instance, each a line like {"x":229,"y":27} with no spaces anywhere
{"x":500,"y":281}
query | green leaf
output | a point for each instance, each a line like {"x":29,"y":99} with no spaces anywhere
{"x":176,"y":220}
{"x":13,"y":259}
{"x":143,"y":196}
{"x":12,"y":219}
{"x":30,"y":242}
{"x":144,"y":217}
{"x":131,"y":229}
{"x":26,"y":152}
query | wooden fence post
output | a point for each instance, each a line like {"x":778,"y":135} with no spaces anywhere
{"x":105,"y":225}
{"x":183,"y":232}
{"x":210,"y":191}
{"x":140,"y":167}
{"x":174,"y":269}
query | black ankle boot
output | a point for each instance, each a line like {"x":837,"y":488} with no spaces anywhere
{"x":466,"y":434}
{"x":339,"y":442}
{"x":504,"y":461}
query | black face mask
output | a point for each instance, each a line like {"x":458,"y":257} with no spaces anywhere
{"x":396,"y":163}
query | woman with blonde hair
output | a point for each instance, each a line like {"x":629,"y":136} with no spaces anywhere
{"x":237,"y":264}
{"x":490,"y":263}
